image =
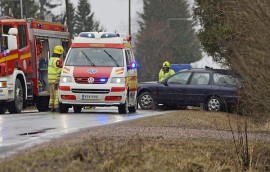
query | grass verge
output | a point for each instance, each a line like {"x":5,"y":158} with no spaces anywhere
{"x":112,"y":148}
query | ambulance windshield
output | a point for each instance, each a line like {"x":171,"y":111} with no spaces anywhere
{"x":104,"y":57}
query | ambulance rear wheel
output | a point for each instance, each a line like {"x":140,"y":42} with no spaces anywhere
{"x":42,"y":103}
{"x":16,"y":105}
{"x":123,"y":109}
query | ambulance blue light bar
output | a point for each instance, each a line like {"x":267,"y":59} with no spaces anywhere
{"x":109,"y":35}
{"x":87,"y":35}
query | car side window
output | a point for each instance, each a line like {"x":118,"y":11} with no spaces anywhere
{"x":180,"y":78}
{"x":225,"y":80}
{"x":200,"y":79}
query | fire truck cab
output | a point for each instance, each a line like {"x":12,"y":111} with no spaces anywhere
{"x":99,"y":70}
{"x":25,"y":48}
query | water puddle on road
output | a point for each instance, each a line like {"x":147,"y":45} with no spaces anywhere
{"x":36,"y":132}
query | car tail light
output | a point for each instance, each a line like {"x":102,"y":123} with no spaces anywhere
{"x":64,"y":88}
{"x":113,"y":98}
{"x":117,"y":89}
{"x":68,"y":97}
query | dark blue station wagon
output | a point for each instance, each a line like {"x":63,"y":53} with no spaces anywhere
{"x":215,"y":89}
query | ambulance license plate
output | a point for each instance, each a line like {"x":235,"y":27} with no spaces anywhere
{"x":90,"y":97}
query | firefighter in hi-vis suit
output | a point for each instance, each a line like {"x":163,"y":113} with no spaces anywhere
{"x":166,"y":71}
{"x":54,"y":71}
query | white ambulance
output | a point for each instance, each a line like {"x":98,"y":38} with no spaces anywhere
{"x":99,"y":70}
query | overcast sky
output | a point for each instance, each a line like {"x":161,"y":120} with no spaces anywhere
{"x":113,"y":14}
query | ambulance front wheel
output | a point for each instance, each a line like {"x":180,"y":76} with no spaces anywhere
{"x":123,"y":109}
{"x":63,"y":108}
{"x":42,"y":103}
{"x":3,"y":108}
{"x":77,"y":108}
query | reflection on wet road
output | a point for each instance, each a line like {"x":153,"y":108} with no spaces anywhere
{"x":18,"y":131}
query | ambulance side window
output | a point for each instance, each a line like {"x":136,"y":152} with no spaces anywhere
{"x":128,"y":57}
{"x":22,"y":36}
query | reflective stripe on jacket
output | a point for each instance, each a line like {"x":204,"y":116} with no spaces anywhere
{"x":54,"y":71}
{"x":163,"y":75}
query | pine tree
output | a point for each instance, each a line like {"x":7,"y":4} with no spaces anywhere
{"x":44,"y":9}
{"x":30,"y":8}
{"x":71,"y":28}
{"x":165,"y":35}
{"x":85,"y":18}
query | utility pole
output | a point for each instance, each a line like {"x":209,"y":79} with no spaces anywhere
{"x":129,"y":17}
{"x":21,"y":9}
{"x":67,"y":15}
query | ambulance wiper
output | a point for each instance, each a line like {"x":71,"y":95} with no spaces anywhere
{"x":88,"y":59}
{"x":115,"y":62}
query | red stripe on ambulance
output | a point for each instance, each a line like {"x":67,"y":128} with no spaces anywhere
{"x":95,"y":72}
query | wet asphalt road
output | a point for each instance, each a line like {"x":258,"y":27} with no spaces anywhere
{"x":19,"y":131}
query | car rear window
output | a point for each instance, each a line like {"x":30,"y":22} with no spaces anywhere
{"x":226,"y":80}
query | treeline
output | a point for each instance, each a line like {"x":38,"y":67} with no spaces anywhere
{"x":81,"y":18}
{"x":237,"y":33}
{"x":165,"y":34}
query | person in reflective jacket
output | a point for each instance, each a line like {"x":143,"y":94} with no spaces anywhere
{"x":54,"y":71}
{"x":166,"y":71}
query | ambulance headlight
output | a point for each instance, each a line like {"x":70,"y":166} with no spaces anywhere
{"x":65,"y":79}
{"x":118,"y":80}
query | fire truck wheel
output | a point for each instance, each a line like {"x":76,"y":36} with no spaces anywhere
{"x":77,"y":109}
{"x":16,"y":105}
{"x":63,"y":108}
{"x":42,"y":103}
{"x":123,"y":109}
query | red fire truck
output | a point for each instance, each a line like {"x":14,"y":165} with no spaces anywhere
{"x":26,"y":46}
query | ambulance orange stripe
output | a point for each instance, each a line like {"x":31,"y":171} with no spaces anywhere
{"x":66,"y":68}
{"x":121,"y":69}
{"x":97,"y":45}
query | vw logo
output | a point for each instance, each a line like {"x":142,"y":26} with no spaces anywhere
{"x":92,"y":71}
{"x":90,"y":80}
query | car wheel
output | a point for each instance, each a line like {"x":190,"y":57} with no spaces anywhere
{"x":214,"y":104}
{"x":77,"y":109}
{"x":146,"y":101}
{"x":16,"y":105}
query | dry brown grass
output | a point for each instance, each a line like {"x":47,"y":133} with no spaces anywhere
{"x":99,"y":149}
